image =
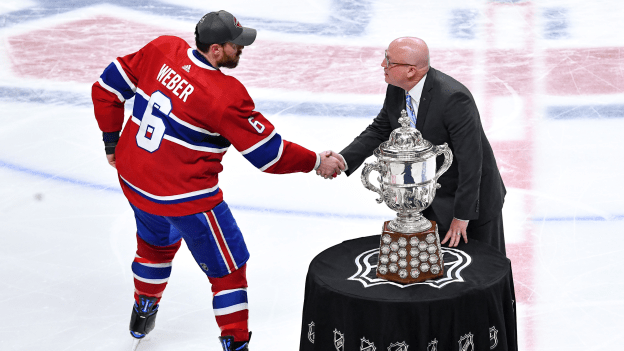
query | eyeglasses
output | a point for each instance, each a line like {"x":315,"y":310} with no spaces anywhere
{"x":388,"y":63}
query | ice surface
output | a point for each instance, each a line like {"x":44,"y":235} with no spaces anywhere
{"x":548,"y":78}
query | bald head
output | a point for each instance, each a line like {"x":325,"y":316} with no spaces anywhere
{"x":406,"y":62}
{"x":412,"y":50}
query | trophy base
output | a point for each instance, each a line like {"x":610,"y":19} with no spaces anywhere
{"x":410,"y":257}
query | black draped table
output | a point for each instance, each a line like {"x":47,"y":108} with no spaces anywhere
{"x":347,"y":308}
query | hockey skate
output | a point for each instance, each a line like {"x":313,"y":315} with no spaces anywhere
{"x":229,"y":344}
{"x":143,"y":318}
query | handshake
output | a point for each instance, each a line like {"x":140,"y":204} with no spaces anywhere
{"x":332,"y":164}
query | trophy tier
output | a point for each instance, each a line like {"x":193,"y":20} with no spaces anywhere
{"x":410,"y":257}
{"x":409,"y":222}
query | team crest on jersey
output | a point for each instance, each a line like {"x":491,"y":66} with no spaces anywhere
{"x":311,"y":332}
{"x":398,"y":346}
{"x":366,"y":345}
{"x":465,"y":343}
{"x":493,"y":338}
{"x":433,"y":345}
{"x":236,"y":22}
{"x":454,"y":262}
{"x":338,"y":340}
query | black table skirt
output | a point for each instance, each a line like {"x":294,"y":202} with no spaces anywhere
{"x":347,"y":308}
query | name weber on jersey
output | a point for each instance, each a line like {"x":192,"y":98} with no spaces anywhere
{"x":176,"y":83}
{"x":190,"y":139}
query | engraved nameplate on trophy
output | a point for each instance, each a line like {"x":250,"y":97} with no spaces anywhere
{"x":410,"y":249}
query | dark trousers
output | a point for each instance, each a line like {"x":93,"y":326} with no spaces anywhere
{"x":490,"y":232}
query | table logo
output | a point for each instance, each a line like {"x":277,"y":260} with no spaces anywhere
{"x":338,"y":340}
{"x":367,"y":345}
{"x":311,"y":332}
{"x":433,"y":345}
{"x":454,"y":262}
{"x":398,"y":346}
{"x":465,"y":343}
{"x":493,"y":338}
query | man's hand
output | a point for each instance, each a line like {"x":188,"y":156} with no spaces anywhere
{"x":331,"y":166}
{"x":456,"y":232}
{"x":332,"y":153}
{"x":112,"y":161}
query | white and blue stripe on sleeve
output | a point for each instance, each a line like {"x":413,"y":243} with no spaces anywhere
{"x":115,"y":80}
{"x":265,"y":153}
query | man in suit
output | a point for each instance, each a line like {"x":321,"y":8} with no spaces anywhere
{"x":470,"y":201}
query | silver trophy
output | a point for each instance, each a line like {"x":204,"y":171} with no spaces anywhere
{"x":409,"y":248}
{"x":407,"y":175}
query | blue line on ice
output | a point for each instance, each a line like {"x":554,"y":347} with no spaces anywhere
{"x":326,"y":109}
{"x":266,"y":107}
{"x":116,"y":189}
{"x":579,"y":219}
{"x":50,"y":176}
{"x":585,"y":111}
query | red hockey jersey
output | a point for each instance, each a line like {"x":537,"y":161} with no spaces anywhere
{"x":186,"y":115}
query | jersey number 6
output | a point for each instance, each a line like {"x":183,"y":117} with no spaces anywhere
{"x":256,"y":124}
{"x":152,"y":128}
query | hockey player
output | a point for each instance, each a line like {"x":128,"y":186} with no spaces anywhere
{"x":186,"y":115}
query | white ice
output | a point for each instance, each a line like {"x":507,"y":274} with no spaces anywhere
{"x":67,"y":234}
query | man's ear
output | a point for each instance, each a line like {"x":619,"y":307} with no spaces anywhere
{"x":411,"y":72}
{"x":214,"y":48}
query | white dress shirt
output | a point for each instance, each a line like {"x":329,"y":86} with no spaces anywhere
{"x":416,"y":93}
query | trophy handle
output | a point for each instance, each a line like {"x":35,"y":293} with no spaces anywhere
{"x":368,"y":167}
{"x":448,"y":159}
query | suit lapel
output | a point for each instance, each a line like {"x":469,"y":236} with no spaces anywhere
{"x":425,"y":99}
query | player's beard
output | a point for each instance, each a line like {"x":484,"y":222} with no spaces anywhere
{"x":230,"y":61}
